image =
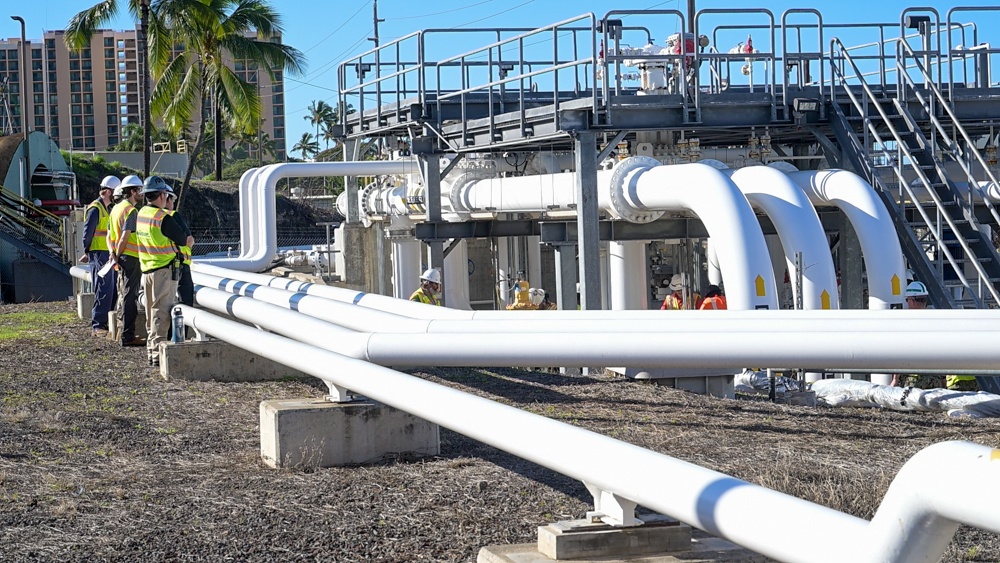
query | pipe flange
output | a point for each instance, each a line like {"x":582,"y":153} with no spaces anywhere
{"x":458,"y":186}
{"x":366,"y":209}
{"x":616,"y":189}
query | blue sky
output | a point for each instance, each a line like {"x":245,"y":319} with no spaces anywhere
{"x":329,"y":32}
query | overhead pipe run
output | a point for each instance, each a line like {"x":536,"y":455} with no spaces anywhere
{"x":260,"y":194}
{"x":880,"y":247}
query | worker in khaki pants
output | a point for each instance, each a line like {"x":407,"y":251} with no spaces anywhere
{"x":159,"y":237}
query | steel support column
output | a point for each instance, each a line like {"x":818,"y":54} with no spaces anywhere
{"x":430,"y":168}
{"x":351,"y":183}
{"x":588,"y":230}
{"x":566,"y":276}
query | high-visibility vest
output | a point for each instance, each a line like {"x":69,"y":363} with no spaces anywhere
{"x":952,"y":380}
{"x":100,"y":240}
{"x":712,"y":303}
{"x":673,"y":303}
{"x":116,"y":225}
{"x":185,"y":250}
{"x":155,"y":250}
{"x":423,"y":297}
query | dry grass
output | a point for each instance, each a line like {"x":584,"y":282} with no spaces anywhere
{"x":102,"y":460}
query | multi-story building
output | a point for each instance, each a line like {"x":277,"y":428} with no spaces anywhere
{"x":83,"y":100}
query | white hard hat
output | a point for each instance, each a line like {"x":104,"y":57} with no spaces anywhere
{"x":677,"y":282}
{"x":916,"y":289}
{"x":431,"y":275}
{"x":110,"y":182}
{"x":131,"y":181}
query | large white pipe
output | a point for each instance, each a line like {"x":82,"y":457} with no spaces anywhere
{"x":880,"y":247}
{"x":919,"y":516}
{"x":248,"y":214}
{"x":628,"y":275}
{"x":727,"y":216}
{"x":405,"y":267}
{"x":456,"y":276}
{"x":799,"y":229}
{"x":266,"y":182}
{"x":477,"y":344}
{"x":640,"y":189}
{"x":712,"y":501}
{"x":368,"y":300}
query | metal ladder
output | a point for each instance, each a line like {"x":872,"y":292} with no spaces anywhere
{"x":941,"y":236}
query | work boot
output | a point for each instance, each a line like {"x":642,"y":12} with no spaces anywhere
{"x":136,"y":341}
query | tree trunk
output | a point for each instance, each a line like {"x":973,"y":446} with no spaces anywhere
{"x":218,"y":139}
{"x":193,"y":155}
{"x":147,"y":122}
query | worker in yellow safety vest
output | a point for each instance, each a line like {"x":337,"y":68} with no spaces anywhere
{"x":95,"y":245}
{"x":675,"y":301}
{"x":123,"y":252}
{"x":430,"y":287}
{"x":159,"y":239}
{"x":185,"y":283}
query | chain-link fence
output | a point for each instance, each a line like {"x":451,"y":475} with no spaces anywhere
{"x":227,"y":241}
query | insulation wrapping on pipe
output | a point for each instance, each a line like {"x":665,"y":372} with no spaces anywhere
{"x":880,"y":247}
{"x":799,"y":230}
{"x":715,"y":502}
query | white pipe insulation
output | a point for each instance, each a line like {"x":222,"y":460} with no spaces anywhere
{"x":799,"y":229}
{"x":628,"y":275}
{"x":712,"y":501}
{"x":260,"y":192}
{"x":880,"y":247}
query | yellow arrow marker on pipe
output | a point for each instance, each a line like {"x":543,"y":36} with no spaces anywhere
{"x":824,"y":300}
{"x":759,"y":282}
{"x":896,"y":285}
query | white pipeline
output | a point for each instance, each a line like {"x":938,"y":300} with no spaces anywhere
{"x":712,"y":501}
{"x":880,"y":247}
{"x":260,"y":193}
{"x":799,"y":229}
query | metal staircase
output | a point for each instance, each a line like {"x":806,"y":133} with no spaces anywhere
{"x":913,"y":165}
{"x":34,"y":231}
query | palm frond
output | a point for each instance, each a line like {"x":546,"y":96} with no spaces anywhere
{"x":84,"y":24}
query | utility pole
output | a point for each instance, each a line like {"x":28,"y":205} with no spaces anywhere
{"x":375,"y":22}
{"x":147,"y":123}
{"x":691,"y":18}
{"x":25,"y":69}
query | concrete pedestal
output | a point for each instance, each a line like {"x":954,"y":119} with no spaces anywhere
{"x":84,"y":305}
{"x":701,"y":550}
{"x":215,"y":360}
{"x":140,"y":324}
{"x":307,"y":433}
{"x":581,"y":539}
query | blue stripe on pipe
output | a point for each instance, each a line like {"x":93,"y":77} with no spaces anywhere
{"x":305,"y":287}
{"x":251,"y":287}
{"x":229,"y":304}
{"x":359,"y":297}
{"x":293,"y":301}
{"x":239,"y":286}
{"x":223,"y":282}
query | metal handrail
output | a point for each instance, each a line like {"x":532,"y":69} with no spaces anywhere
{"x":902,"y":146}
{"x":53,"y":235}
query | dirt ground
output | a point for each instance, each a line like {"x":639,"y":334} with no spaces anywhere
{"x":100,"y":459}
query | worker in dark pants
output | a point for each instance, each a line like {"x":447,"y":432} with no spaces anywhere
{"x":95,"y":241}
{"x":185,"y":285}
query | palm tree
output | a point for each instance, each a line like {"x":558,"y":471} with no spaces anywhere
{"x":307,"y":145}
{"x":319,"y":114}
{"x":85,"y":23}
{"x":197,"y":77}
